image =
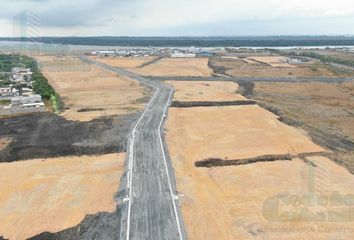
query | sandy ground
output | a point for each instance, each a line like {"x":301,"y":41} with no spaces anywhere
{"x":85,"y":87}
{"x":274,"y":61}
{"x":205,"y":91}
{"x":236,"y":132}
{"x":253,"y":201}
{"x":239,"y":68}
{"x":123,"y":62}
{"x":55,"y":194}
{"x":229,"y":203}
{"x":177,"y":67}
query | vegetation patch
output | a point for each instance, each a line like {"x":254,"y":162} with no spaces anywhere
{"x":40,"y":83}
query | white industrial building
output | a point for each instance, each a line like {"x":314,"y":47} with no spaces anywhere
{"x":21,"y":74}
{"x":183,"y":55}
{"x":27,"y":102}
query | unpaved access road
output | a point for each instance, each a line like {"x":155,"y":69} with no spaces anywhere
{"x":150,"y":209}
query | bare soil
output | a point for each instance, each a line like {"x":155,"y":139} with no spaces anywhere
{"x":54,"y":194}
{"x":235,"y":202}
{"x":189,"y":91}
{"x":83,"y":86}
{"x":274,"y":61}
{"x":236,"y":132}
{"x":241,"y":198}
{"x":124,"y":62}
{"x":171,"y":67}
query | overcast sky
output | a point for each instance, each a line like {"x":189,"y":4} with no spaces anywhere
{"x":182,"y":17}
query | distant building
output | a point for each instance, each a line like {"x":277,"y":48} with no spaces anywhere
{"x":21,"y":74}
{"x":27,"y":91}
{"x":104,"y":53}
{"x":27,"y":101}
{"x":183,"y":55}
{"x":205,"y":54}
{"x":6,"y":91}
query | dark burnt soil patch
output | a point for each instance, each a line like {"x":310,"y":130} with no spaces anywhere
{"x":211,"y":103}
{"x":46,"y":135}
{"x":100,"y":226}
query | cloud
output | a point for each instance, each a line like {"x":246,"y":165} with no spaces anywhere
{"x":151,"y":17}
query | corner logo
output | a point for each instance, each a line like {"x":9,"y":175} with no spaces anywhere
{"x":315,"y":203}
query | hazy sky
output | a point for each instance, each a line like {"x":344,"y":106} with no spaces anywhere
{"x":182,"y":17}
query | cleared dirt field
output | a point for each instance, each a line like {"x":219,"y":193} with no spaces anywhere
{"x":89,"y":92}
{"x":237,"y":132}
{"x":237,"y":202}
{"x":274,"y":61}
{"x":177,"y":67}
{"x":205,"y":91}
{"x":239,"y":68}
{"x":55,"y":194}
{"x":123,"y":62}
{"x":231,"y":202}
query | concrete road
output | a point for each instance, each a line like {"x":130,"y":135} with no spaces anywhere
{"x":150,"y":206}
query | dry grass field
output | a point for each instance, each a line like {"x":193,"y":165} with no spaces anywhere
{"x":205,"y":91}
{"x":54,"y":194}
{"x":170,"y":67}
{"x":310,"y":102}
{"x":123,"y":62}
{"x":325,"y":110}
{"x":338,"y":54}
{"x":240,"y":68}
{"x":89,"y":92}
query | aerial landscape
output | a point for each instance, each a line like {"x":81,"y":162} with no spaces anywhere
{"x":127,"y":126}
